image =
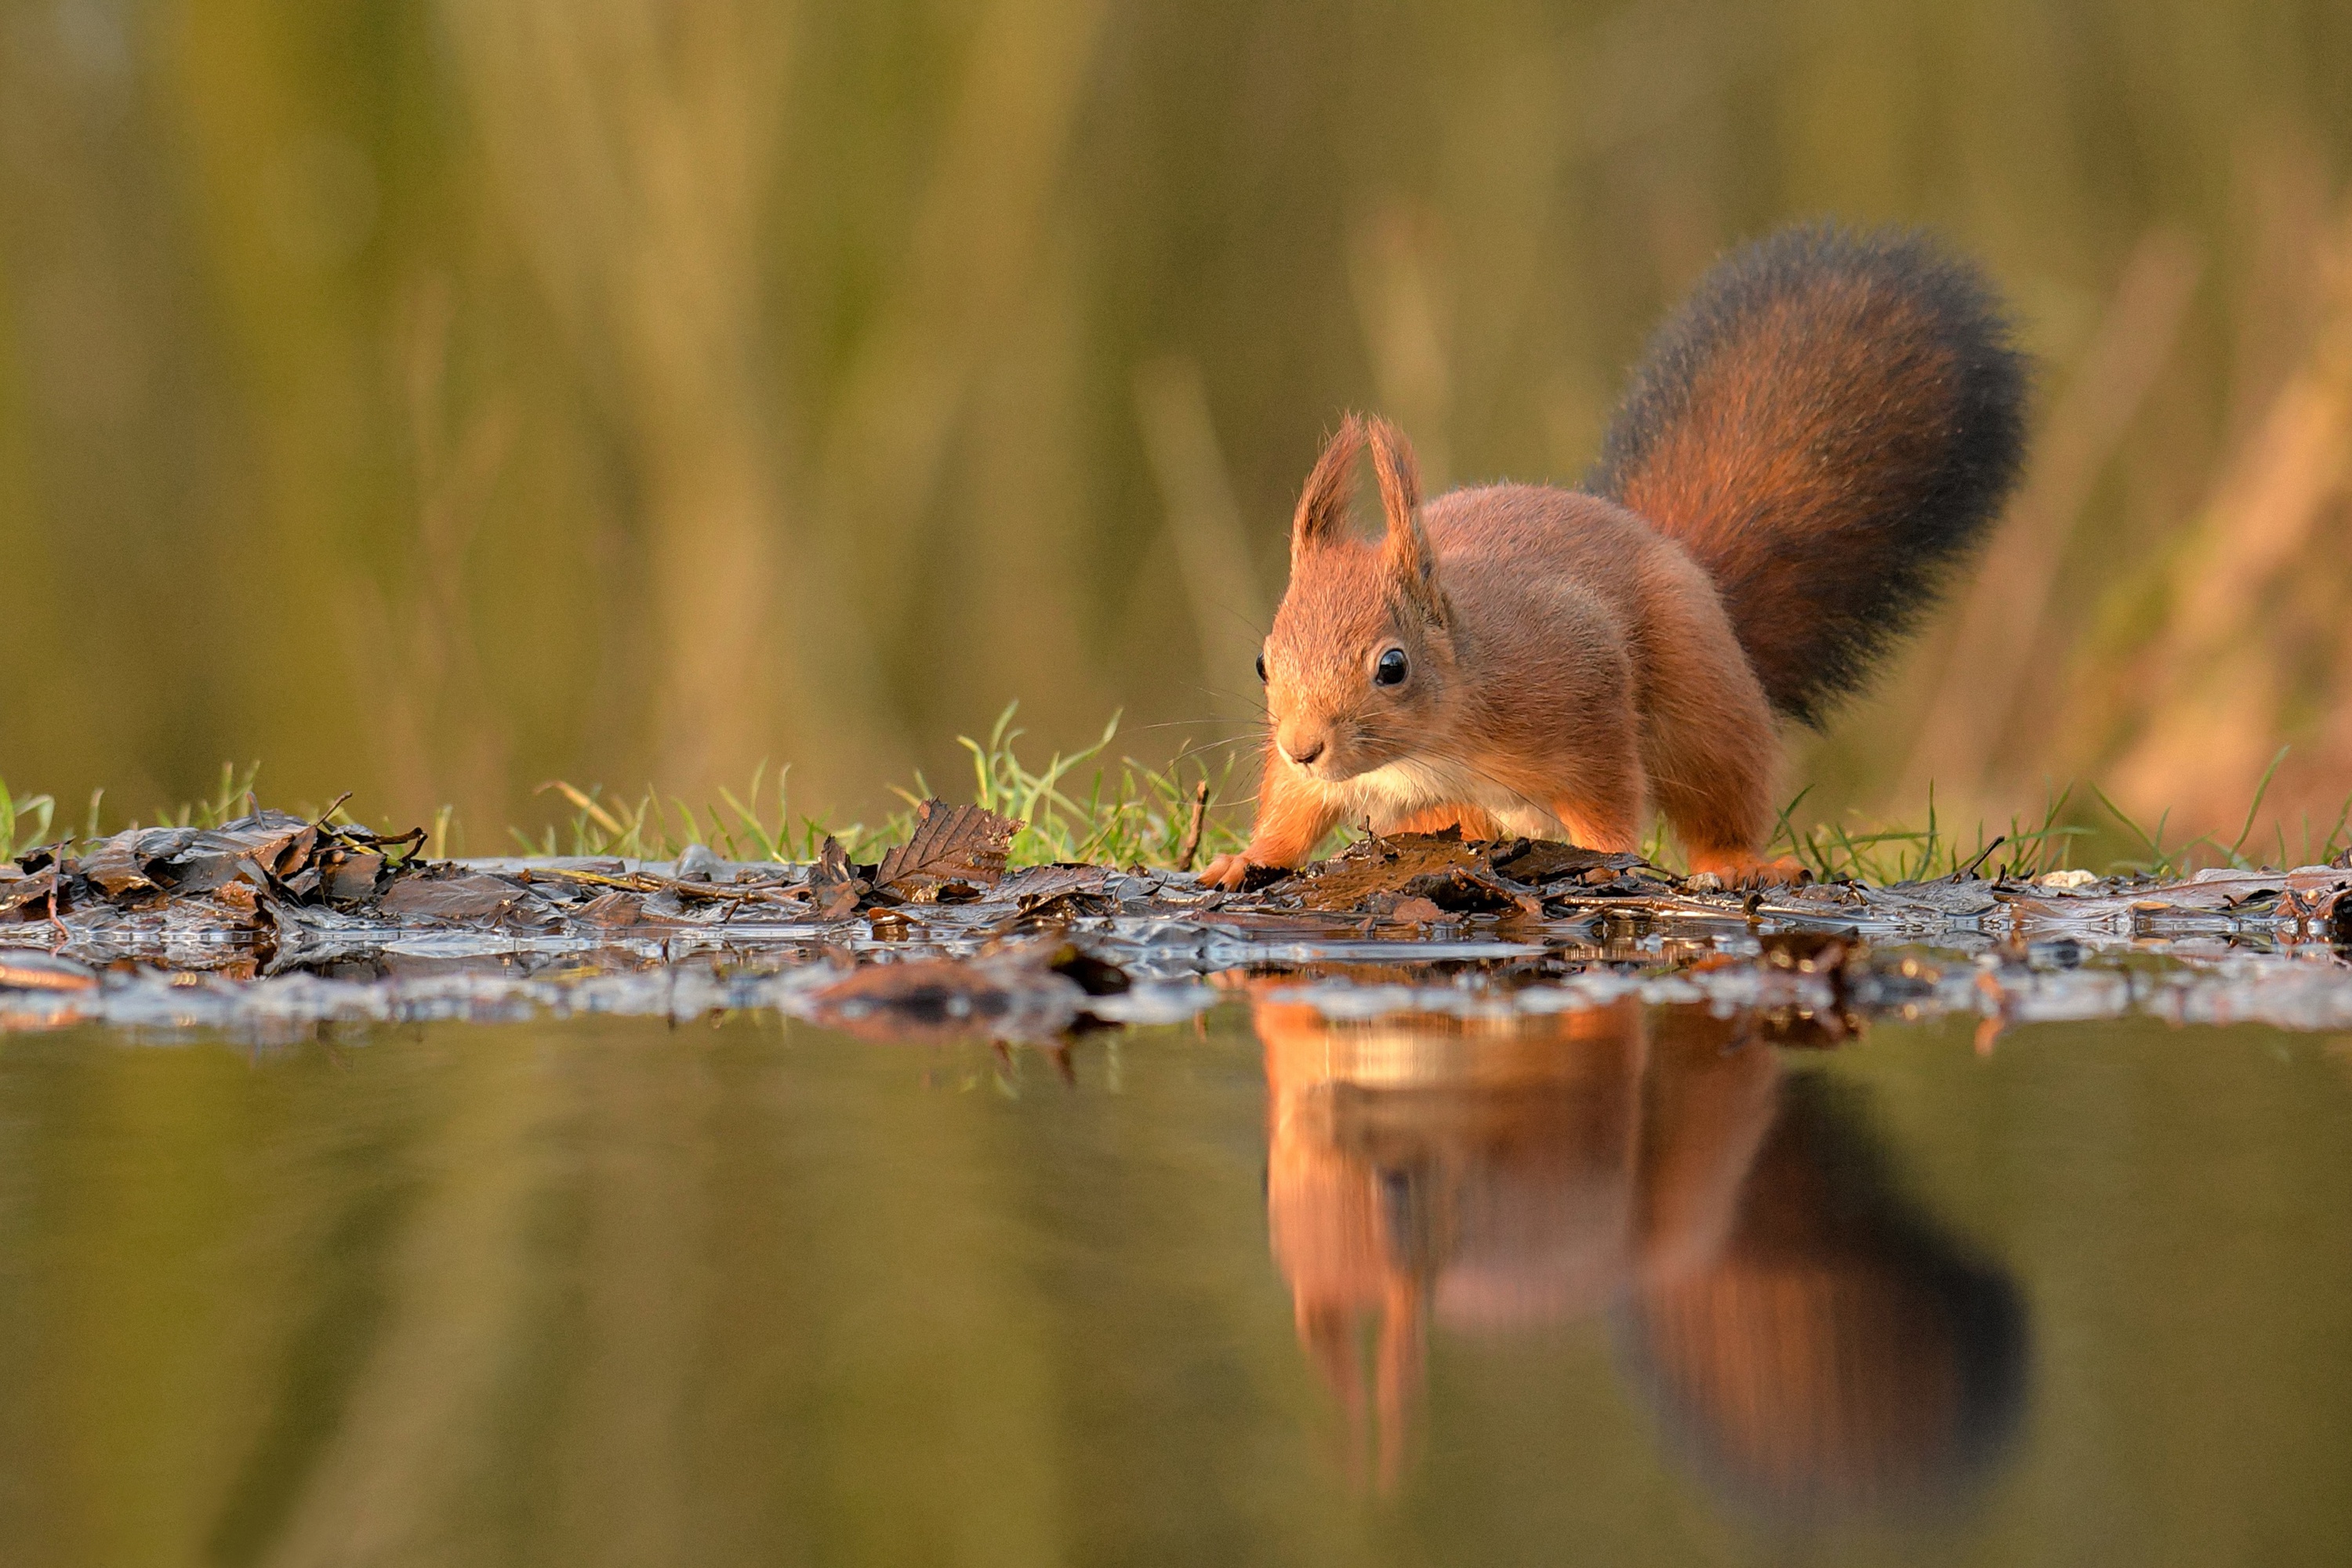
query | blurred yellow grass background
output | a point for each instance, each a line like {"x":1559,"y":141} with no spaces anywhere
{"x":436,"y":399}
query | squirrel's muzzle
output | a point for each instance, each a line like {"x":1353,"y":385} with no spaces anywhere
{"x":1303,"y":749}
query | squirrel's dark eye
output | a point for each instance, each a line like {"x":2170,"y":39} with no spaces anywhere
{"x":1391,"y":670}
{"x":1261,"y":669}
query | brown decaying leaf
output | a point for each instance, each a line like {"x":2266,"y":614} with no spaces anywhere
{"x":1541,"y":860}
{"x":29,"y":897}
{"x":1046,"y":881}
{"x":1439,"y":868}
{"x":833,"y":889}
{"x":463,"y":896}
{"x":963,"y":844}
{"x":349,"y":877}
{"x":115,"y":866}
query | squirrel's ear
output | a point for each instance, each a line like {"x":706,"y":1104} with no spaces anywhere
{"x":1407,"y":551}
{"x":1323,"y":504}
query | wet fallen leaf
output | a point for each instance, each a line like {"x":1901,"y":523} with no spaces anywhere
{"x":1415,"y":911}
{"x":835,"y":889}
{"x":612,"y":908}
{"x":471,"y":896}
{"x":951,"y":843}
{"x":28,"y":898}
{"x":350,"y":877}
{"x":1353,"y":880}
{"x":1537,"y":861}
{"x":1469,"y":889}
{"x":197,"y":861}
{"x":115,"y":866}
{"x":1046,"y":881}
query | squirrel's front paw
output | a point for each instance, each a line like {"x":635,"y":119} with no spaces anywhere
{"x":1226,"y":871}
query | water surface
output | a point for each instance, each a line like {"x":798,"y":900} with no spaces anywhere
{"x":1625,"y":1284}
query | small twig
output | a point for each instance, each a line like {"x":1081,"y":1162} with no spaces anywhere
{"x":1192,"y":831}
{"x":653,"y":882}
{"x":326,"y":816}
{"x":1965,"y":872}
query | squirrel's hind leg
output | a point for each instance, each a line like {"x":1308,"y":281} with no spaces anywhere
{"x":1709,"y":745}
{"x":1602,"y":808}
{"x":1614,"y":828}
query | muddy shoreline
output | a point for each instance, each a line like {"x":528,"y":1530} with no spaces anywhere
{"x":272,"y":923}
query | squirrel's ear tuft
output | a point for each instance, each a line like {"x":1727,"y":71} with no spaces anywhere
{"x":1407,"y":552}
{"x":1323,"y":505}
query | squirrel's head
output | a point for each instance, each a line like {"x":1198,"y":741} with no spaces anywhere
{"x":1361,"y":660}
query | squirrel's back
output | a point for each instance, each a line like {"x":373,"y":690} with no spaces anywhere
{"x":1829,"y":420}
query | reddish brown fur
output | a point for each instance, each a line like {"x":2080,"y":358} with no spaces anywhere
{"x":1568,"y":664}
{"x":1829,"y":422}
{"x":1746,"y":448}
{"x":1820,"y":1342}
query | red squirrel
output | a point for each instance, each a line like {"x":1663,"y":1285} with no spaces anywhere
{"x":1831,"y":420}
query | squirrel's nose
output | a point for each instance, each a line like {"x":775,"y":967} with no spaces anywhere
{"x":1305,"y":753}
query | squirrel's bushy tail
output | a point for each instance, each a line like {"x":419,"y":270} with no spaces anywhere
{"x":1829,"y":420}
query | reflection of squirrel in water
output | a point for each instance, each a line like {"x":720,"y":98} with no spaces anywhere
{"x":1812,"y":1342}
{"x":1828,"y":422}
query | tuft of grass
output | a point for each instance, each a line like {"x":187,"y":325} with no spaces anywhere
{"x":1130,"y":815}
{"x":2181,"y":859}
{"x":235,"y":798}
{"x":1893,"y":853}
{"x":1886,"y":853}
{"x":23,"y":822}
{"x":1087,"y":807}
{"x":1081,"y":806}
{"x":651,"y":827}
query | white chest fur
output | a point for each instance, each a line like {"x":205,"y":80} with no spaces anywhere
{"x":1394,"y":792}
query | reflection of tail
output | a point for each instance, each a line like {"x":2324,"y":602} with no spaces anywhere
{"x":1840,"y":1352}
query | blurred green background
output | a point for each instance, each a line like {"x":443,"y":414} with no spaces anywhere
{"x":433,"y":399}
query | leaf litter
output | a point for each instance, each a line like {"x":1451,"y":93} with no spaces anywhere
{"x":274,"y":925}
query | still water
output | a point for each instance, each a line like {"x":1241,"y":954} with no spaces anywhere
{"x":1620,"y":1286}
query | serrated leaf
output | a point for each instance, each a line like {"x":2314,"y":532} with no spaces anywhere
{"x":950,"y":844}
